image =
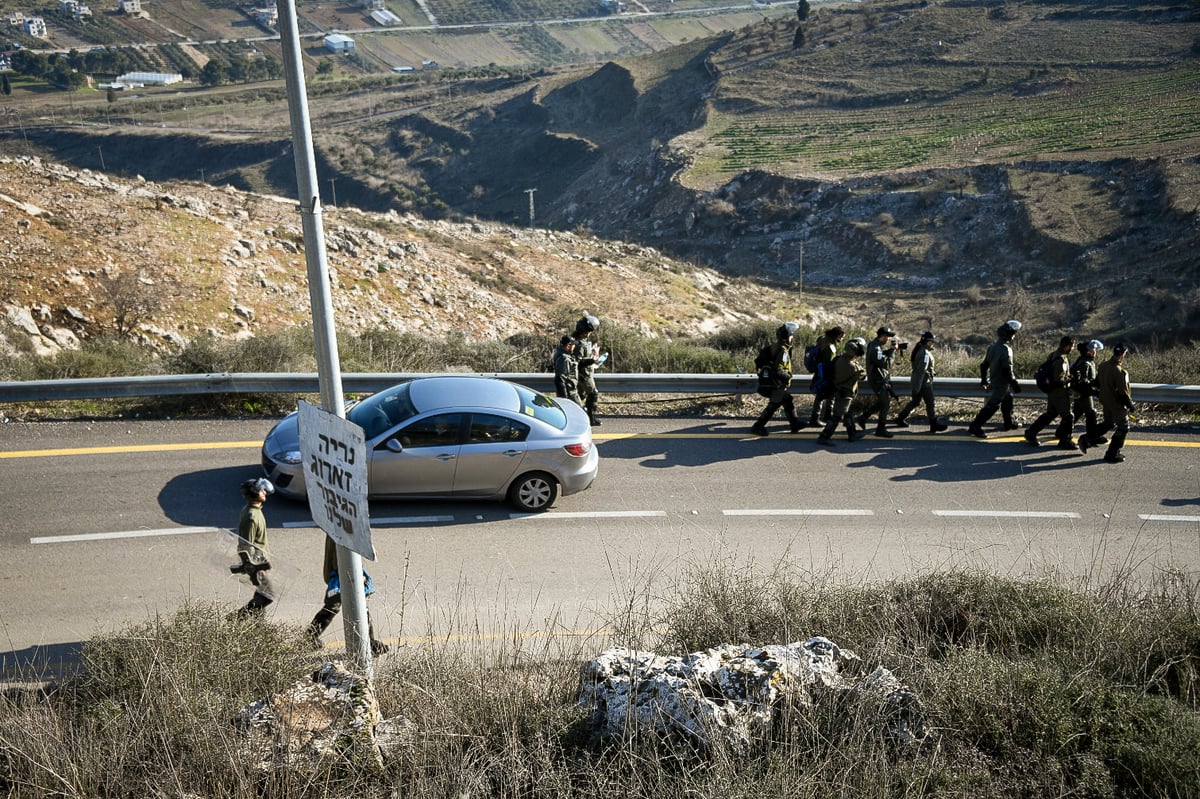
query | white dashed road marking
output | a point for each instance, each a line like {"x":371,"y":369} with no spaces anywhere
{"x":1154,"y":517}
{"x":1010,"y":514}
{"x":798,"y":512}
{"x":599,"y":514}
{"x":66,"y":539}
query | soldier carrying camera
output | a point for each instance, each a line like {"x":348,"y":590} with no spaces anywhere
{"x":880,"y":352}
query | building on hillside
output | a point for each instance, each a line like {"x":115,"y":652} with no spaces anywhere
{"x":34,"y":26}
{"x":74,"y":8}
{"x":268,"y":16}
{"x":374,"y":5}
{"x":131,"y":7}
{"x":339,"y":43}
{"x":613,"y":7}
{"x":429,"y":63}
{"x":149,"y":78}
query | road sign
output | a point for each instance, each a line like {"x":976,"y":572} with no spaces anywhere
{"x":334,"y":453}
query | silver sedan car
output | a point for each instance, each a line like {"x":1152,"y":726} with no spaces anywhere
{"x":457,"y":437}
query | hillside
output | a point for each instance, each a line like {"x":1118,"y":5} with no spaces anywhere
{"x":932,"y":165}
{"x":78,"y":248}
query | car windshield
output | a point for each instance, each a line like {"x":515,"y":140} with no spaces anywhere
{"x":539,"y":406}
{"x":381,"y":412}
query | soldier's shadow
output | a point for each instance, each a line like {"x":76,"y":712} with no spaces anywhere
{"x":942,"y":464}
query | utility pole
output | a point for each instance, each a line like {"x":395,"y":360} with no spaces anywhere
{"x":100,"y":150}
{"x":329,"y":369}
{"x":801,"y":286}
{"x":530,"y":193}
{"x":333,"y":191}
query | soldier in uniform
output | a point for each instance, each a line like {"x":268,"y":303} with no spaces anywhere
{"x":1084,"y":389}
{"x":1058,"y":400}
{"x":922,"y":383}
{"x":847,"y":372}
{"x":880,"y":352}
{"x":823,"y":399}
{"x":587,"y":353}
{"x":332,"y":604}
{"x":566,"y":371}
{"x":776,"y":380}
{"x":1117,"y":401}
{"x":996,"y":375}
{"x":252,"y":546}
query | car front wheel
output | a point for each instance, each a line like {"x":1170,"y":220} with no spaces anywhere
{"x":533,"y":492}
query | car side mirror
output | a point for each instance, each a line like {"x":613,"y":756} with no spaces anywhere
{"x":394,"y":445}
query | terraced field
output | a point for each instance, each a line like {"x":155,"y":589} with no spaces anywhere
{"x":955,"y":105}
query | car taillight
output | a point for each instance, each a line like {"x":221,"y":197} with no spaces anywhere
{"x":578,"y":450}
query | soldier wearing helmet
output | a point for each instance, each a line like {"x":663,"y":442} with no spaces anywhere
{"x":252,"y":546}
{"x":847,"y":372}
{"x":587,"y":353}
{"x":1084,"y":390}
{"x":775,"y":378}
{"x":996,"y":375}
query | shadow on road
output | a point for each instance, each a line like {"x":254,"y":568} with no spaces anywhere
{"x":40,"y":663}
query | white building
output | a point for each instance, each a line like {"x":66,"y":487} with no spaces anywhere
{"x":339,"y":43}
{"x":35,"y":26}
{"x":131,"y":7}
{"x":150,"y":78}
{"x":268,"y":17}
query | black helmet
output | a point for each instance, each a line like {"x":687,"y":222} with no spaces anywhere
{"x":885,"y":331}
{"x":856,"y":346}
{"x":251,"y":487}
{"x":786,"y":330}
{"x":1009,"y":329}
{"x":928,"y":336}
{"x":587,"y":324}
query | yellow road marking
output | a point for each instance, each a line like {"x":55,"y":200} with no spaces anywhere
{"x":600,"y":437}
{"x":48,"y":453}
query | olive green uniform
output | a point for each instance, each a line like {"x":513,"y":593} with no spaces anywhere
{"x":847,"y":372}
{"x":776,"y":389}
{"x":1117,"y":401}
{"x":1058,"y":403}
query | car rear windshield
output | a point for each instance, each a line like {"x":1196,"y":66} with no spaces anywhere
{"x":539,"y":406}
{"x":381,"y":412}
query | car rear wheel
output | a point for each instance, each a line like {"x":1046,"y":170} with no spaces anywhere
{"x":533,"y":492}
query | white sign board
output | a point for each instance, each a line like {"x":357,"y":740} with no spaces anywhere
{"x":334,"y":453}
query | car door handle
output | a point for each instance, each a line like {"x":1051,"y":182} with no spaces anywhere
{"x":445,"y":456}
{"x":512,"y":453}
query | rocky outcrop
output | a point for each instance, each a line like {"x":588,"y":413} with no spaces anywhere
{"x":332,"y":717}
{"x":734,"y":695}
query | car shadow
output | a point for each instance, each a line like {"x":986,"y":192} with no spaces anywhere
{"x":40,"y":662}
{"x":210,"y":498}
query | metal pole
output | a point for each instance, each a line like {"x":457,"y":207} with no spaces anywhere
{"x":329,"y":370}
{"x":801,"y":288}
{"x":530,"y":193}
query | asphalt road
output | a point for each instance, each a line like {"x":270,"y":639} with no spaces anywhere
{"x":111,"y":523}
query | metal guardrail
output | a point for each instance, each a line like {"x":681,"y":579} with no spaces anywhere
{"x":356,"y":383}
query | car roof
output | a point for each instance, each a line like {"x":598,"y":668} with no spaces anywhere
{"x":428,"y":393}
